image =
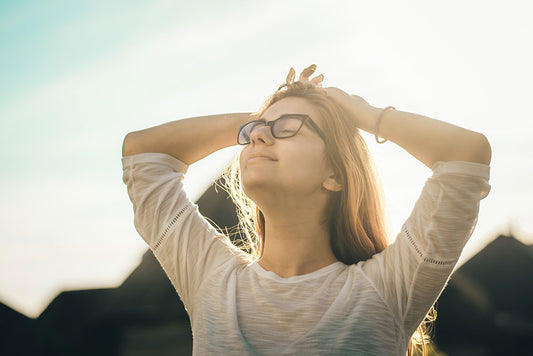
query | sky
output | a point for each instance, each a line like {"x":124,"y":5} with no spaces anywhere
{"x":76,"y":77}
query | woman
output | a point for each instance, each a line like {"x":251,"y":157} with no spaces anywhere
{"x":316,"y":275}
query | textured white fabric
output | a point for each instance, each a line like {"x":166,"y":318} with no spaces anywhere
{"x":236,"y":307}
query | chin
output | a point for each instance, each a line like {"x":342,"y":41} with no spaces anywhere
{"x":255,"y":184}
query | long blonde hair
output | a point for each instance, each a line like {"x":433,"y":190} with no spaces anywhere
{"x":356,"y":213}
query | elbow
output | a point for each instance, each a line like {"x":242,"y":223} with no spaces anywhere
{"x":482,"y":151}
{"x":130,"y":145}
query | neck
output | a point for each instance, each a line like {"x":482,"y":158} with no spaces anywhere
{"x":296,"y":241}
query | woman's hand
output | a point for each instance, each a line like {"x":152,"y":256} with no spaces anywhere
{"x":347,"y":100}
{"x":305,"y":75}
{"x":426,"y":139}
{"x":364,"y":113}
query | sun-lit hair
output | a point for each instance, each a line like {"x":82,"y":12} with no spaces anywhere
{"x":356,"y":215}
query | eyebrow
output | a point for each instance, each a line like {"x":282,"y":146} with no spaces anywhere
{"x":287,"y":114}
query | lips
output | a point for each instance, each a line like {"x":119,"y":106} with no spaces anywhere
{"x":258,"y":156}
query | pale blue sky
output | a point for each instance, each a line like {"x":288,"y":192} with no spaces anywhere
{"x":45,"y":39}
{"x":76,"y":77}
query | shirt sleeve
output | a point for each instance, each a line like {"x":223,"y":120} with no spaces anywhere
{"x":187,"y":246}
{"x":411,"y":273}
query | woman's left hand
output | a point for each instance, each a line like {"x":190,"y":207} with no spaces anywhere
{"x":365,"y":113}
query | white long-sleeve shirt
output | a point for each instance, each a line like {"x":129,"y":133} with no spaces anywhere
{"x":371,"y":308}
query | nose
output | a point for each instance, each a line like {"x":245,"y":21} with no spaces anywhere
{"x":261,"y":134}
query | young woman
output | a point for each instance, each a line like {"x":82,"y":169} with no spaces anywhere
{"x":316,"y":276}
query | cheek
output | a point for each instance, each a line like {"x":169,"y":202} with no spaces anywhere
{"x":309,"y":167}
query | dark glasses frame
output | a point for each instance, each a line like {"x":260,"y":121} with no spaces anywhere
{"x":302,"y":117}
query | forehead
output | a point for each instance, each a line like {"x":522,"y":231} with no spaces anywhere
{"x":291,"y":105}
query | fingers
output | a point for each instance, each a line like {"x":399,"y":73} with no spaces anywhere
{"x":304,"y":77}
{"x":290,"y":76}
{"x":306,"y":73}
{"x":317,"y":81}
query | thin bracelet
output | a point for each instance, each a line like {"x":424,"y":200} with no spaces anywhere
{"x":378,"y":122}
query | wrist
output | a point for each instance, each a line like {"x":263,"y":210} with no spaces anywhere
{"x":367,"y":118}
{"x":378,"y":123}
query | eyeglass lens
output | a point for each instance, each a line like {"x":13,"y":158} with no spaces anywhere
{"x":284,"y":127}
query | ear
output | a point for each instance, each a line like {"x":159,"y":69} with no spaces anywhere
{"x":332,"y":184}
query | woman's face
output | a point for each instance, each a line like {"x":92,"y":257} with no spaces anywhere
{"x":285,"y":167}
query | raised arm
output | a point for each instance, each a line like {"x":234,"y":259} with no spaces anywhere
{"x":426,"y":139}
{"x":188,"y":140}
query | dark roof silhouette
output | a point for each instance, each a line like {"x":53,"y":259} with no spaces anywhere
{"x":143,"y":316}
{"x":487,"y":308}
{"x":13,"y":329}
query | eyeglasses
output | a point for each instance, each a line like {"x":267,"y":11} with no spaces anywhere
{"x":283,"y":127}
